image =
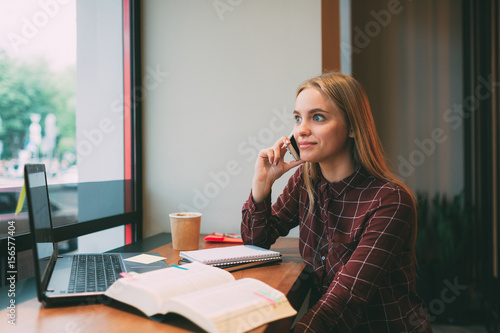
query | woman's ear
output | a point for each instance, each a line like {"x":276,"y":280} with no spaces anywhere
{"x":351,"y":133}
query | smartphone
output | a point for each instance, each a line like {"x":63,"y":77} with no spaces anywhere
{"x":293,"y":148}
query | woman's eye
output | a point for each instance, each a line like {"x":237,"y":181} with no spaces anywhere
{"x":298,"y":119}
{"x":318,"y":117}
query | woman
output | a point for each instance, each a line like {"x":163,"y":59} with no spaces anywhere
{"x":357,"y":220}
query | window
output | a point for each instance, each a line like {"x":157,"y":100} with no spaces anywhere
{"x":68,"y":68}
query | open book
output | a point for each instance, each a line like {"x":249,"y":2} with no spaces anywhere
{"x":208,"y":296}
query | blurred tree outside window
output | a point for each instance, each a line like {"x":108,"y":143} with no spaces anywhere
{"x":37,"y":88}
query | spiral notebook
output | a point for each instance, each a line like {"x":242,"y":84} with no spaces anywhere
{"x":231,"y":255}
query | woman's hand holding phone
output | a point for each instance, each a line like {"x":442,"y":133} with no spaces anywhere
{"x":269,"y":167}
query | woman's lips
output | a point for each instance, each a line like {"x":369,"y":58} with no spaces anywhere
{"x":306,"y":144}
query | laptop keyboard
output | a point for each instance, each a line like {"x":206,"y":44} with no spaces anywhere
{"x":91,"y":273}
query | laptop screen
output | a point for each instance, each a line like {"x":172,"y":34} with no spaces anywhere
{"x":40,"y":219}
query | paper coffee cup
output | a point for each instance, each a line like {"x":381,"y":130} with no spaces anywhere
{"x":185,"y":229}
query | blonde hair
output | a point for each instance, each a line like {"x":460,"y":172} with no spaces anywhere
{"x":349,"y":96}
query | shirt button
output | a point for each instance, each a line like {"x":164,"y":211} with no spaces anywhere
{"x":323,"y":258}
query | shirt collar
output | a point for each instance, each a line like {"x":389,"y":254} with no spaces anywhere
{"x":344,"y":185}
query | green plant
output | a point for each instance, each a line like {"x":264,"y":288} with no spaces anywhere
{"x":444,"y":229}
{"x":445,"y":253}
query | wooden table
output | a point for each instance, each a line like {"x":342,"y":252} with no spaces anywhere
{"x":289,"y":277}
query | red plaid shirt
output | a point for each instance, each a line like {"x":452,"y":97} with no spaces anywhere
{"x":357,"y":242}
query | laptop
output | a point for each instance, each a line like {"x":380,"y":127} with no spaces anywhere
{"x":69,"y":278}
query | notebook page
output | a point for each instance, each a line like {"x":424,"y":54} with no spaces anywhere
{"x":229,"y":255}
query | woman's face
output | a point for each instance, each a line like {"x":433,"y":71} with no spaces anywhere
{"x":321,"y":130}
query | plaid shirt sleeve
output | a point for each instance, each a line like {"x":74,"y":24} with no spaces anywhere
{"x":263,"y":223}
{"x":387,"y":229}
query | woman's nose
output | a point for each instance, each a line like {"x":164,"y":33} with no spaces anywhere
{"x":303,"y":129}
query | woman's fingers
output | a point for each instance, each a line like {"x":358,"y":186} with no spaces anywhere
{"x":270,"y":155}
{"x":280,"y":149}
{"x":275,"y":154}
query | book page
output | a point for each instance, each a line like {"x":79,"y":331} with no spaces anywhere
{"x":233,"y":307}
{"x":149,"y":291}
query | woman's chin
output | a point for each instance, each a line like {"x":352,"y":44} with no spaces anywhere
{"x":307,"y":158}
